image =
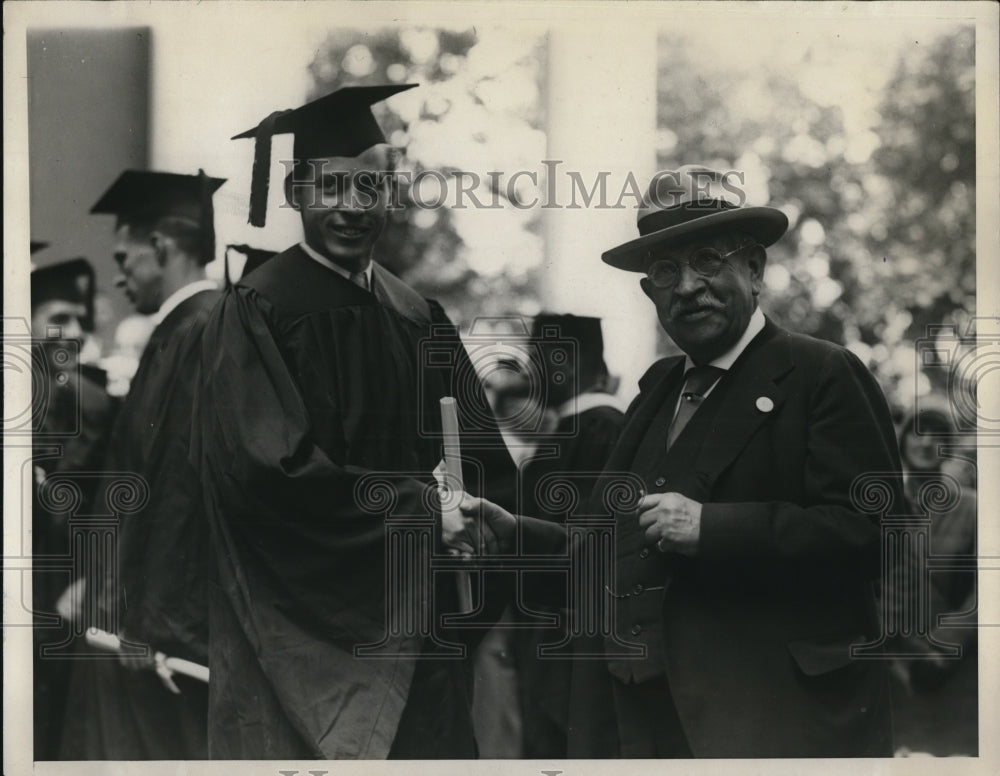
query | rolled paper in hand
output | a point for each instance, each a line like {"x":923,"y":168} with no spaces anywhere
{"x":452,"y":443}
{"x":103,"y":640}
{"x":111,"y":643}
{"x":181,"y":666}
{"x":453,"y":481}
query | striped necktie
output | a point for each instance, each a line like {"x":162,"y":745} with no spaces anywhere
{"x":697,"y":381}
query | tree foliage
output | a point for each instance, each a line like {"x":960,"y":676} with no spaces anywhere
{"x":457,"y":120}
{"x":882,"y":236}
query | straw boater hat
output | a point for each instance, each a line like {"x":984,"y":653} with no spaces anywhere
{"x":683,"y":203}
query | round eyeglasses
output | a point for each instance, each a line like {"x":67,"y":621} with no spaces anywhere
{"x":666,"y":273}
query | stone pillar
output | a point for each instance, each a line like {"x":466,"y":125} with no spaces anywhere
{"x":197,"y":103}
{"x":601,"y":119}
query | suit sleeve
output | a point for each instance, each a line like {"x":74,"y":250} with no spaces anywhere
{"x":850,"y":434}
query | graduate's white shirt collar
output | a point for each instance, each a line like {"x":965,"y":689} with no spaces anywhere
{"x":317,"y":256}
{"x":180,"y":295}
{"x":588,"y":401}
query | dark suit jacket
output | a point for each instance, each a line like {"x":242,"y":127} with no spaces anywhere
{"x":758,"y":626}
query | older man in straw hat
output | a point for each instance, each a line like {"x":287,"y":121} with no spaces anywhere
{"x":745,"y":575}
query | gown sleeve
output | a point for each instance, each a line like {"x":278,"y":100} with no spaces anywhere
{"x":296,"y":509}
{"x":299,"y":548}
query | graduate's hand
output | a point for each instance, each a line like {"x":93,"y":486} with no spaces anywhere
{"x":497,"y":527}
{"x":137,"y":662}
{"x":672,"y":522}
{"x":457,"y":531}
{"x":70,"y":603}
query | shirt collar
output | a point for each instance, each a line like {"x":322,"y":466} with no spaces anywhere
{"x":344,"y":273}
{"x":180,"y":295}
{"x":727,"y":359}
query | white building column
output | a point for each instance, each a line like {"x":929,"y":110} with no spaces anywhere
{"x":229,"y":82}
{"x":601,"y":120}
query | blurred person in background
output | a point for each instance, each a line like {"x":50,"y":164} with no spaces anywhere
{"x":71,"y":417}
{"x":746,"y":572}
{"x":936,"y":694}
{"x":129,"y":341}
{"x":155,"y":599}
{"x":579,"y":391}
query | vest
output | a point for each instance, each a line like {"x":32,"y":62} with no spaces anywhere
{"x":643,"y":573}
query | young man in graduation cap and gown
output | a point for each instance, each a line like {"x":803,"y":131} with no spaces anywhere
{"x":314,"y":379}
{"x":156,"y":595}
{"x":72,"y":417}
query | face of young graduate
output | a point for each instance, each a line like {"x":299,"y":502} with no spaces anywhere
{"x":705,"y":316}
{"x":342,"y":202}
{"x":140,"y":272}
{"x":56,"y":321}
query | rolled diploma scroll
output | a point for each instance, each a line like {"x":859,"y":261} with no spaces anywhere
{"x":110,"y":642}
{"x":453,"y":469}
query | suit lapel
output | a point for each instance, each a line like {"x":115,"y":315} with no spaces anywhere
{"x":750,"y":397}
{"x":657,"y":384}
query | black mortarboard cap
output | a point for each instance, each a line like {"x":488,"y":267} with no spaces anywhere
{"x":71,"y":281}
{"x":141,"y":194}
{"x":584,"y":331}
{"x":255,"y":257}
{"x":339,"y":124}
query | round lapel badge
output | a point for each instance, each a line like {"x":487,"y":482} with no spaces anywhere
{"x":764,"y":404}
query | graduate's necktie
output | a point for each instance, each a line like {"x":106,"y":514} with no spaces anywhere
{"x":697,"y":381}
{"x":360,"y":279}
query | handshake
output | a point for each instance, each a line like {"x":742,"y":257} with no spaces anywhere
{"x":472,"y":526}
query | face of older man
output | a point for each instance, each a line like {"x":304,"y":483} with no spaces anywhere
{"x":705,"y":291}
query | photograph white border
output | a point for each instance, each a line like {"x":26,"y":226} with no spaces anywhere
{"x":21,"y":16}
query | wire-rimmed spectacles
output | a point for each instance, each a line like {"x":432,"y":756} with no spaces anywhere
{"x":666,"y":273}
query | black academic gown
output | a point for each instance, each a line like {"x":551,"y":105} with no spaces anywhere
{"x":114,"y":713}
{"x":72,"y":422}
{"x":314,"y":390}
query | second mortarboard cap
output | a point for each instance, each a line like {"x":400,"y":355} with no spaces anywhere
{"x":583,"y":331}
{"x":339,"y":124}
{"x":141,"y":194}
{"x":69,"y":281}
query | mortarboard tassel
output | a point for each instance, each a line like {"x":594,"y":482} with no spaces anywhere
{"x":225,"y":267}
{"x":262,"y":168}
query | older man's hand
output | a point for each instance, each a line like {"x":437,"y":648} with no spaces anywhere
{"x":672,"y":522}
{"x":497,"y":526}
